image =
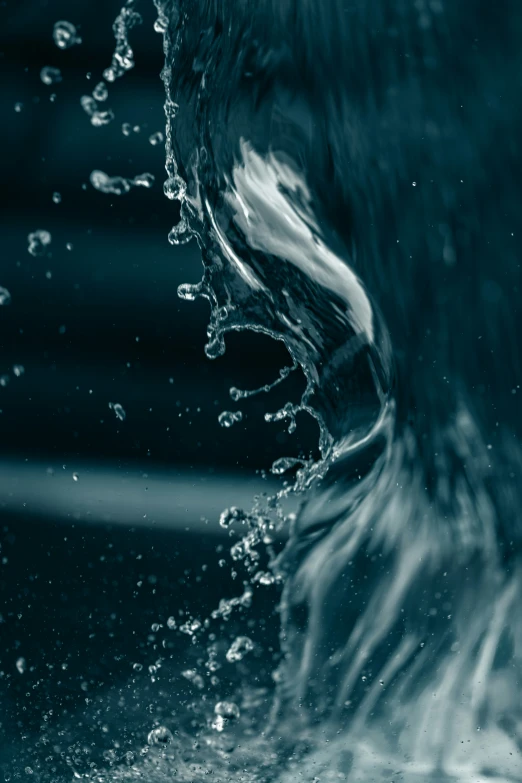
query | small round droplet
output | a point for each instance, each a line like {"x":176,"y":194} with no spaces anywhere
{"x":18,"y":370}
{"x":57,"y":197}
{"x":137,"y":667}
{"x":171,"y":624}
{"x":50,"y":75}
{"x":156,"y":138}
{"x":69,"y":245}
{"x":65,"y":35}
{"x":5,"y":297}
{"x":18,"y":107}
{"x":160,"y":736}
{"x":126,"y":129}
{"x":21,"y":665}
{"x":75,"y":477}
{"x":4,"y":380}
{"x":100,"y":92}
{"x":38,"y":241}
{"x":118,"y":410}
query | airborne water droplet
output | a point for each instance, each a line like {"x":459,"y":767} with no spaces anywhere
{"x":57,"y":197}
{"x":229,"y":418}
{"x":156,"y":138}
{"x":21,"y":665}
{"x":75,"y":476}
{"x":18,"y":370}
{"x":65,"y":35}
{"x":239,"y":648}
{"x":5,"y":296}
{"x":100,"y":92}
{"x":118,"y":410}
{"x":38,"y":241}
{"x":50,"y":75}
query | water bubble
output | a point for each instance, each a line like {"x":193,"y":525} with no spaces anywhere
{"x":75,"y":476}
{"x":160,"y":736}
{"x":137,"y":667}
{"x":118,"y":410}
{"x":100,"y":92}
{"x":21,"y":665}
{"x":229,"y":418}
{"x":5,"y":296}
{"x":50,"y":75}
{"x":225,"y":711}
{"x":160,"y":25}
{"x":57,"y":197}
{"x":38,"y":241}
{"x":18,"y":370}
{"x":4,"y":380}
{"x":239,"y":648}
{"x":126,"y":129}
{"x":190,"y":627}
{"x":171,"y":623}
{"x":18,"y":107}
{"x":65,"y":35}
{"x":156,"y":138}
{"x":69,"y":245}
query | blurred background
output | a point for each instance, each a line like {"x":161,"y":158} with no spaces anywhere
{"x":107,"y":525}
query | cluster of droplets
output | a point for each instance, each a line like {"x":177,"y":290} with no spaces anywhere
{"x":18,"y":370}
{"x":123,"y":56}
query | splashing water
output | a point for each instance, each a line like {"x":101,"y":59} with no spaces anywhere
{"x":401,"y":577}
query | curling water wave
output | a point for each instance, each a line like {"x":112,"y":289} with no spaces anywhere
{"x":337,"y":193}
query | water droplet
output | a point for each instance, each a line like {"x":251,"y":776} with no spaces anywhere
{"x":18,"y":107}
{"x":5,"y":296}
{"x":21,"y":665}
{"x":156,"y":138}
{"x":171,"y":623}
{"x":118,"y":410}
{"x":18,"y":370}
{"x":75,"y":477}
{"x":144,"y":180}
{"x":4,"y":380}
{"x":181,"y":233}
{"x":57,"y":197}
{"x":137,"y":667}
{"x":50,"y":75}
{"x":38,"y":242}
{"x":175,"y":188}
{"x":98,"y":118}
{"x":100,"y":92}
{"x":160,"y":736}
{"x":126,"y":129}
{"x":229,"y":418}
{"x":65,"y":35}
{"x":69,"y":245}
{"x":239,"y":648}
{"x":106,"y":184}
{"x":230,"y":515}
